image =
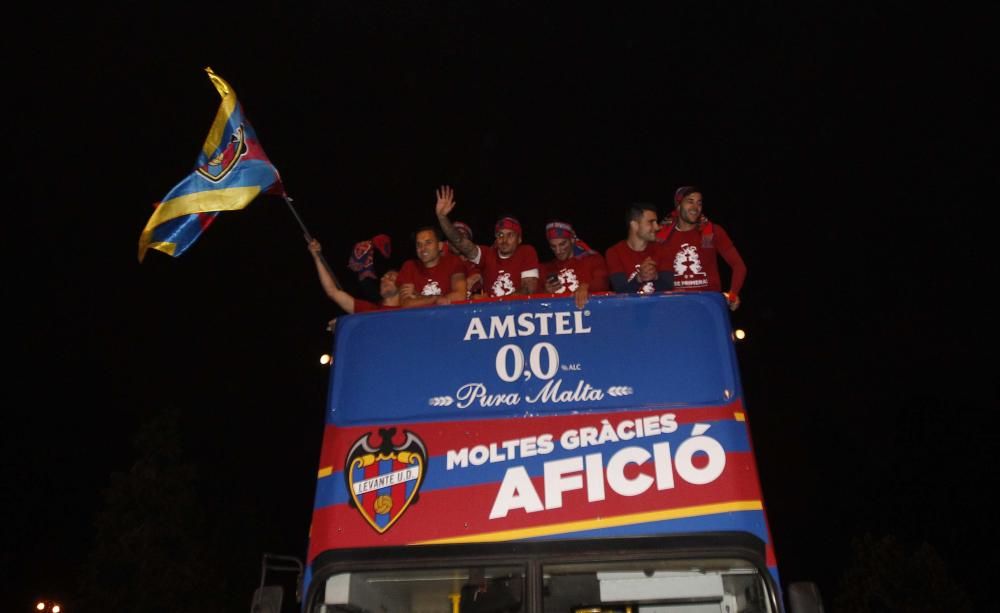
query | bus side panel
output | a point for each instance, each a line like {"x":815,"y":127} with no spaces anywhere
{"x":627,"y":473}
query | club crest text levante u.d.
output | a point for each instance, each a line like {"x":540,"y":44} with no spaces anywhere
{"x":385,"y":479}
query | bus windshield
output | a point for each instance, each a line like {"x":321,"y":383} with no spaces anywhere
{"x":585,"y":583}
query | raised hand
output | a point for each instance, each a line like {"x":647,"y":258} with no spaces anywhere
{"x":445,"y":200}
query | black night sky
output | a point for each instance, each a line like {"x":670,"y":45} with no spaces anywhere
{"x":846,"y":149}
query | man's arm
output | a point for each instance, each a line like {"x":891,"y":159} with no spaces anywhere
{"x":458,"y":289}
{"x":728,"y":251}
{"x":581,"y":295}
{"x":622,"y":280}
{"x":664,"y":268}
{"x":529,"y":285}
{"x":327,"y":279}
{"x":529,"y":269}
{"x":621,"y":284}
{"x":445,"y":204}
{"x":662,"y":275}
{"x":408,"y":296}
{"x":474,"y":284}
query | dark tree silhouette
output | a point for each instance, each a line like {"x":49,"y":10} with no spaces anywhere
{"x":152,"y":551}
{"x":886,"y":577}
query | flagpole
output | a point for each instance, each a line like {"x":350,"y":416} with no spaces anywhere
{"x":295,"y":214}
{"x":308,"y":237}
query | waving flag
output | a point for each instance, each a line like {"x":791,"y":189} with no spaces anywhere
{"x":231,"y":171}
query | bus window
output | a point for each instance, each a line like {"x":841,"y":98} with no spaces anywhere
{"x":489,"y":589}
{"x":661,"y":586}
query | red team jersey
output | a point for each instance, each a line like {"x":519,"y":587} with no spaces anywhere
{"x":693,"y":256}
{"x":434,"y":281}
{"x":589,"y":269}
{"x":622,"y":259}
{"x":363,"y":306}
{"x":502,"y":277}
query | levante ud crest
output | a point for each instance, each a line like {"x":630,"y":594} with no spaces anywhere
{"x":384,"y":480}
{"x":219,"y":167}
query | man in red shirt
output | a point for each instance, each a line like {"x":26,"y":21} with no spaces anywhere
{"x":693,"y":245}
{"x":508,"y":267}
{"x":576,"y":269}
{"x":435,"y":277}
{"x":638,"y":264}
{"x":388,"y":289}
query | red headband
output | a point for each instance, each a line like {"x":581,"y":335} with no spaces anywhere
{"x":508,"y":223}
{"x":558,"y":229}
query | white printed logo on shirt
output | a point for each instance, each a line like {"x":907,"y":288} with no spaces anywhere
{"x":503,"y":286}
{"x":688,"y":271}
{"x":567,"y":276}
{"x":431,"y":288}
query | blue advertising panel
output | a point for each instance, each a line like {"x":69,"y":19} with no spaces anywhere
{"x":532,"y":357}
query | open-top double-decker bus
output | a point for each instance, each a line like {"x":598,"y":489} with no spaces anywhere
{"x":527,"y":455}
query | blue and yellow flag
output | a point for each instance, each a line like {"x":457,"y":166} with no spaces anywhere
{"x":231,"y":171}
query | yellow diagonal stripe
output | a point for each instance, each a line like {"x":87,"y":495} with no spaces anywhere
{"x":226,"y":108}
{"x":605,"y":522}
{"x":228,"y":199}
